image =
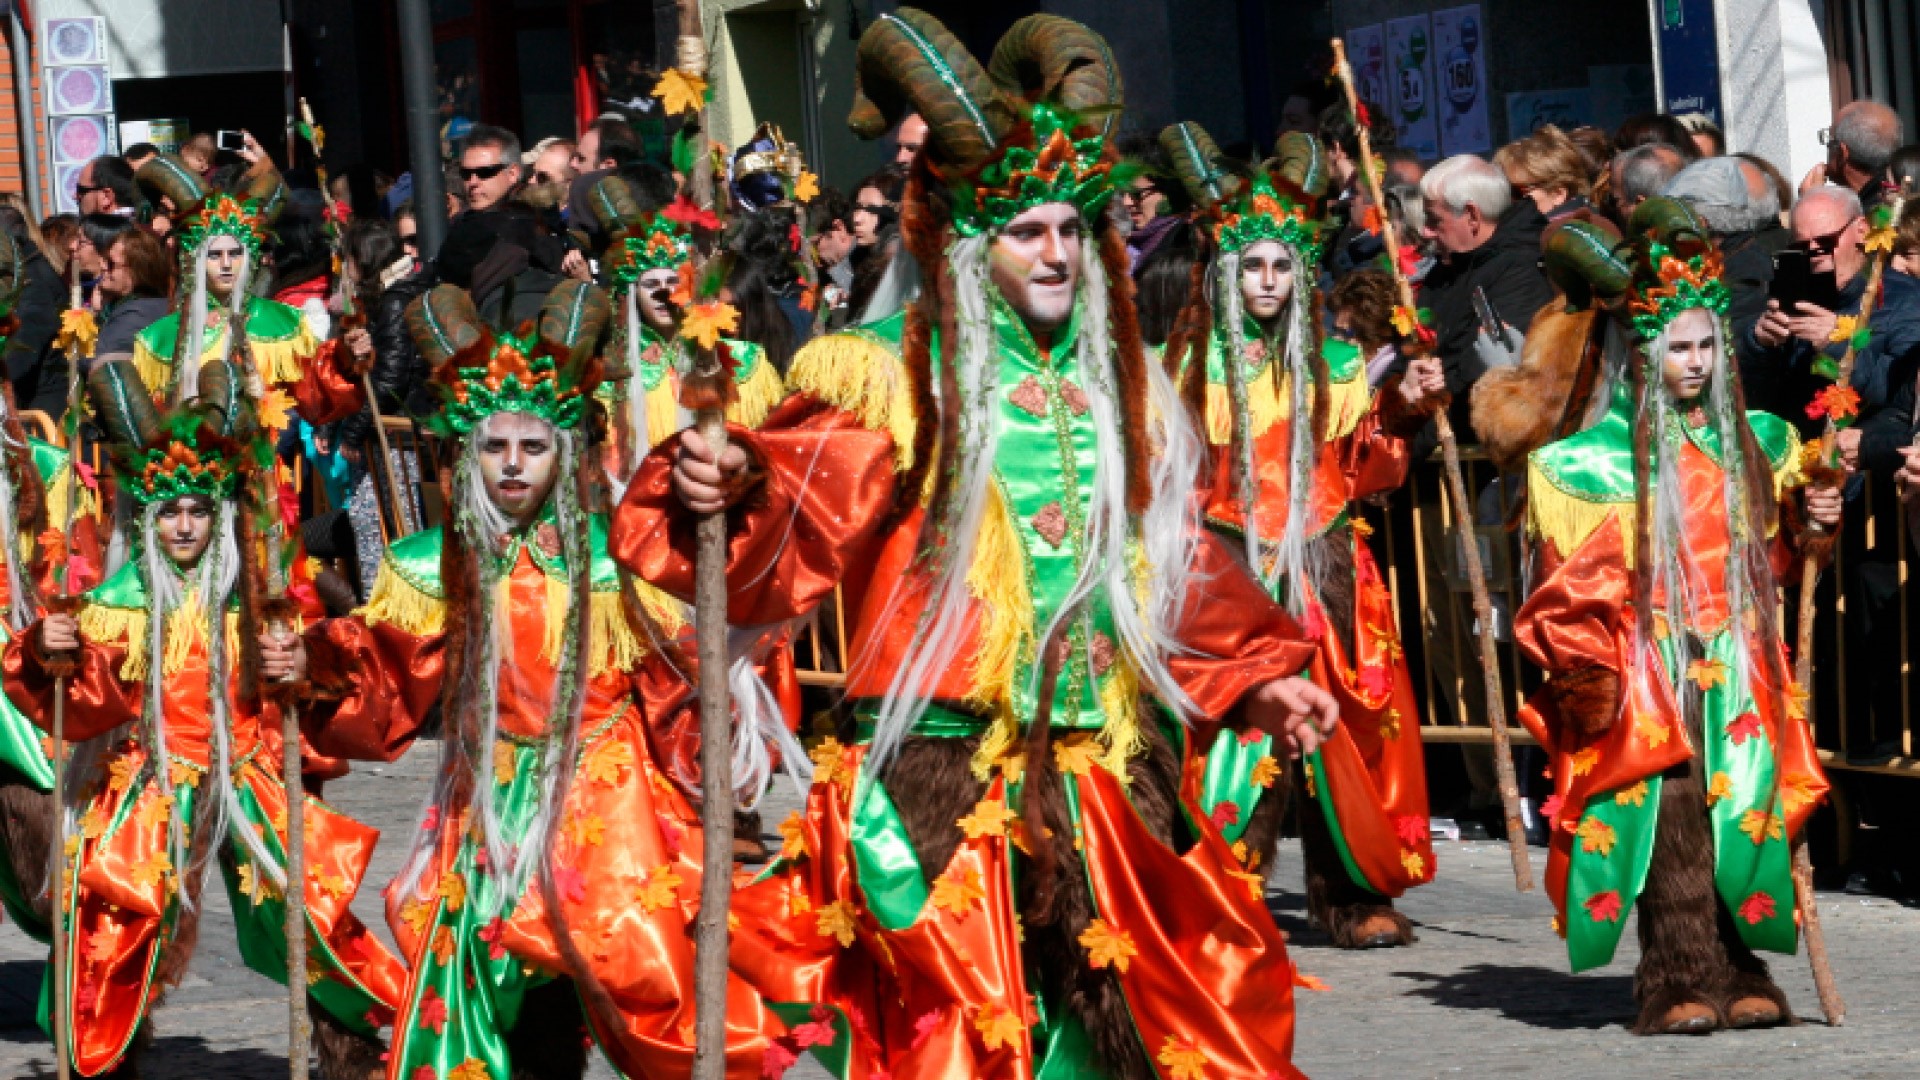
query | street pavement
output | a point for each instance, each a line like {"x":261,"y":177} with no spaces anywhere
{"x":1485,"y":992}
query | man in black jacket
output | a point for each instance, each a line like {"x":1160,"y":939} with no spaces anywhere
{"x":1488,"y":241}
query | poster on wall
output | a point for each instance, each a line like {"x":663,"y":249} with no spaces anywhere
{"x":1460,"y":66}
{"x":78,"y":88}
{"x":1564,"y":109}
{"x":1367,"y":55}
{"x":1410,"y":71}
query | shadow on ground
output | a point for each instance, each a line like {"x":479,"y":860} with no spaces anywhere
{"x":183,"y":1058}
{"x":1537,"y":996}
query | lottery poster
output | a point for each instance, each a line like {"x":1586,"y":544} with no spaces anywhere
{"x":1410,"y":73}
{"x":1460,"y":68}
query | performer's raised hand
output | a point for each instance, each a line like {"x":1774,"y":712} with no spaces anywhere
{"x":706,"y":486}
{"x":59,"y":633}
{"x":283,"y":657}
{"x":1423,"y":379}
{"x":1294,"y":711}
{"x":1823,"y":506}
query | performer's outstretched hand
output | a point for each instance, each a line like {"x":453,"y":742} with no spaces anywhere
{"x":283,"y":657}
{"x":1294,"y":711}
{"x":1823,"y":506}
{"x":704,"y":485}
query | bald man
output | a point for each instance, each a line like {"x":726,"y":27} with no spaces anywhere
{"x":1861,"y":142}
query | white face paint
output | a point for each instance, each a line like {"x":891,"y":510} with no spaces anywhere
{"x":518,"y":460}
{"x":224,"y":256}
{"x":1693,"y":352}
{"x":1266,"y":280}
{"x":651,"y":293}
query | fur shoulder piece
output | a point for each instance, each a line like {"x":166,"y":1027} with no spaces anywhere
{"x":1517,"y":410}
{"x":860,"y":371}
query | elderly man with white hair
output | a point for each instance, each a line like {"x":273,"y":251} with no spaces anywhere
{"x":1488,"y":241}
{"x":1861,"y":141}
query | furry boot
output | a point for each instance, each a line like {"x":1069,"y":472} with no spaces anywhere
{"x":549,"y":1042}
{"x":1353,"y":916}
{"x":344,"y":1054}
{"x":1695,"y":973}
{"x":26,"y":832}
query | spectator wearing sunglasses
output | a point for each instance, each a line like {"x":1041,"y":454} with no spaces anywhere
{"x":105,"y":186}
{"x":1831,"y":227}
{"x":490,"y":166}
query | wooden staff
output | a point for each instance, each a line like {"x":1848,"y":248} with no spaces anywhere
{"x":353,"y":318}
{"x":1457,"y":488}
{"x":62,"y":668}
{"x":281,"y":613}
{"x":711,"y":941}
{"x":1816,"y":545}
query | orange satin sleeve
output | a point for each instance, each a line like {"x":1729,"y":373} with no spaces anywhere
{"x":827,"y":488}
{"x":324,"y":393}
{"x":1235,"y":636}
{"x":1570,"y":620}
{"x":1374,"y":458}
{"x":373,"y":687}
{"x":97,"y":700}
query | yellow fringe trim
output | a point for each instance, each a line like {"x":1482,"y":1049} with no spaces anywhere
{"x":186,"y":634}
{"x":997,"y":580}
{"x":667,"y":612}
{"x":396,"y":601}
{"x":1121,"y":735}
{"x":1269,"y":403}
{"x":1566,"y":521}
{"x":758,"y":395}
{"x":1264,"y":407}
{"x":281,"y":362}
{"x":1789,"y":476}
{"x":662,"y":406}
{"x":850,"y":372}
{"x":153,"y":368}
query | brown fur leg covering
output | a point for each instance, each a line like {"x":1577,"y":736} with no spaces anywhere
{"x":1335,"y":902}
{"x":343,"y":1054}
{"x":549,"y":1041}
{"x":1748,"y":976}
{"x":26,"y":830}
{"x":1588,"y":697}
{"x":932,"y":785}
{"x":1683,"y":956}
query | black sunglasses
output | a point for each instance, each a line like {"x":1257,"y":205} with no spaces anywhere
{"x":484,"y":172}
{"x":1821,"y":245}
{"x":81,"y":191}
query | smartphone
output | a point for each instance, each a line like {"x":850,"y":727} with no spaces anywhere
{"x":1792,"y":278}
{"x":235,"y":141}
{"x":1490,"y":319}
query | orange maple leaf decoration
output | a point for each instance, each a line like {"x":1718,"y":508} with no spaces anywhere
{"x":1707,"y":674}
{"x":1584,"y":761}
{"x":1603,"y":906}
{"x":836,"y":921}
{"x":1757,"y":908}
{"x":1596,"y":836}
{"x":679,"y":92}
{"x":1105,"y":945}
{"x":989,"y":818}
{"x":705,"y":323}
{"x":998,"y":1027}
{"x":1309,"y":982}
{"x":959,"y":891}
{"x":1183,"y":1059}
{"x":1835,"y":403}
{"x":1761,"y":826}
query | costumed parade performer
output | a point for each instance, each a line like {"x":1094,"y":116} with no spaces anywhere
{"x":35,"y":487}
{"x":1003,"y":868}
{"x":553,"y":873}
{"x":177,"y":762}
{"x":1299,"y":435}
{"x":1681,"y":758}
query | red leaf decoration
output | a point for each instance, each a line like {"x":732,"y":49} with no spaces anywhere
{"x":923,"y":1028}
{"x":776,"y":1060}
{"x":1224,"y":814}
{"x":1757,"y":908}
{"x":686,"y":213}
{"x":1745,"y":726}
{"x":1411,"y":828}
{"x":816,"y":1033}
{"x":1603,"y":907}
{"x":433,"y":1011}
